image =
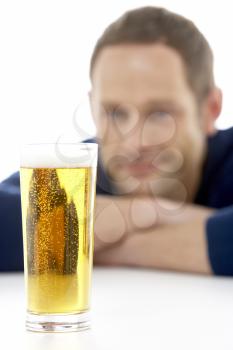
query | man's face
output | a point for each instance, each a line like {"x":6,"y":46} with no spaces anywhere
{"x":148,"y":122}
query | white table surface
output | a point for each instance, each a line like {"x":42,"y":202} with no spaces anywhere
{"x":132,"y":309}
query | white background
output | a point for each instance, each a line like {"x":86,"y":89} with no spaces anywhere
{"x":45,"y":48}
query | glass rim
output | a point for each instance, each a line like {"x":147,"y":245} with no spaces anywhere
{"x":89,"y":144}
{"x":54,"y":154}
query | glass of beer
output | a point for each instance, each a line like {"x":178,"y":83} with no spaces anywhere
{"x":57,"y":196}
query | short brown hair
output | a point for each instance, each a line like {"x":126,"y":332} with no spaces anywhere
{"x":149,"y":25}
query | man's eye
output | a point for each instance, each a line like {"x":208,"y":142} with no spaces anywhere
{"x":159,"y":114}
{"x":117,"y":113}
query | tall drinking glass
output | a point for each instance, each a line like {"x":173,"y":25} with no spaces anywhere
{"x":57,"y":195}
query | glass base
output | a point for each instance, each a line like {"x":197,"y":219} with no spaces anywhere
{"x":57,"y":322}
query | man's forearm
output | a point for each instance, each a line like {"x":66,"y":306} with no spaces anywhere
{"x":180,"y":246}
{"x":116,"y":217}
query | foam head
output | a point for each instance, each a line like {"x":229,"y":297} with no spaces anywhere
{"x":58,"y":155}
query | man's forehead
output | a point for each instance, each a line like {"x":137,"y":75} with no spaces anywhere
{"x":133,"y":70}
{"x":137,"y":58}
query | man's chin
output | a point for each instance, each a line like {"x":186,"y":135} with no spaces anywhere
{"x":169,"y":188}
{"x":134,"y":187}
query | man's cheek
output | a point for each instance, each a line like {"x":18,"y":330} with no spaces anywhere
{"x":158,"y":132}
{"x":169,"y":161}
{"x":116,"y":169}
{"x":106,"y":130}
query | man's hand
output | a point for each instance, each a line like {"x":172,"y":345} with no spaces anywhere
{"x":117,"y":217}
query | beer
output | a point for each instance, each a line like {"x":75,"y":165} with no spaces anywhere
{"x":57,"y":218}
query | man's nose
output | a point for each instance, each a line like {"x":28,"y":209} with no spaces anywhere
{"x":133,"y":139}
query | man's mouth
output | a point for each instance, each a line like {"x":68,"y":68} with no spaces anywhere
{"x":140,"y":169}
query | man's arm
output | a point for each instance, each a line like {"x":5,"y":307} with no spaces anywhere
{"x":173,"y":237}
{"x":180,"y":247}
{"x":11,"y":241}
{"x":219,"y":232}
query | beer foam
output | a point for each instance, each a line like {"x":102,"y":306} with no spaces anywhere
{"x":68,"y":155}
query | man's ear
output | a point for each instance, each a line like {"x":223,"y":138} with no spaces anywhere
{"x":212,"y":110}
{"x":100,"y":126}
{"x":90,"y":97}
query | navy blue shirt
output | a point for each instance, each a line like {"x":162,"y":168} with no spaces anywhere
{"x":216,"y":191}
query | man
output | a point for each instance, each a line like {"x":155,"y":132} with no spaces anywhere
{"x":165,"y":185}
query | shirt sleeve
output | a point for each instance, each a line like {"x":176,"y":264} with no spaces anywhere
{"x":11,"y":240}
{"x":219,"y":232}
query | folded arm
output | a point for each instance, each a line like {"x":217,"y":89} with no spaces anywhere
{"x":148,"y":233}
